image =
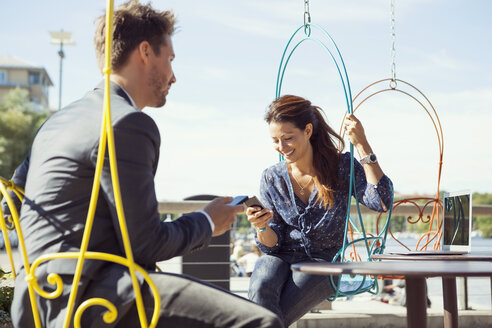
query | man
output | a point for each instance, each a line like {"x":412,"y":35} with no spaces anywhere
{"x":58,"y":191}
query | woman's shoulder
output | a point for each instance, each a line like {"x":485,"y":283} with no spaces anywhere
{"x":345,"y":156}
{"x":344,"y":164}
{"x":275,"y":170}
{"x":344,"y":159}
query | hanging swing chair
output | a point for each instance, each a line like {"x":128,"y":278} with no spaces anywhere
{"x":73,"y":315}
{"x":8,"y":189}
{"x":433,"y":223}
{"x":433,"y":234}
{"x":358,"y":245}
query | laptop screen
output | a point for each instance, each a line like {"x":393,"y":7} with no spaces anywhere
{"x":457,"y":221}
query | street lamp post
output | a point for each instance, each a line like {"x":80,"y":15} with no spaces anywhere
{"x":62,"y":38}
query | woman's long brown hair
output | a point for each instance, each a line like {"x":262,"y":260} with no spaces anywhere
{"x":326,"y":157}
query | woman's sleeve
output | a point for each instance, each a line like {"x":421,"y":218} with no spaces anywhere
{"x":377,"y":197}
{"x":276,"y":223}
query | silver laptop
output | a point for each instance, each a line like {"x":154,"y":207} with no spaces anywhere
{"x":457,"y":219}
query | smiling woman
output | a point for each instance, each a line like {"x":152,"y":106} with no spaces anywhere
{"x":293,"y":121}
{"x":305,"y":198}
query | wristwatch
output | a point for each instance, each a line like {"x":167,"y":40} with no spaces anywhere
{"x":371,"y":158}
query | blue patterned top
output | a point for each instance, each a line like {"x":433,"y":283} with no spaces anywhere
{"x":309,"y":228}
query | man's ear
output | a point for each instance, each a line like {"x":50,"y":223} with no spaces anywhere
{"x":144,"y":49}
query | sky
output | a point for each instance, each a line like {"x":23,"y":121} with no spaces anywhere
{"x":214,"y":138}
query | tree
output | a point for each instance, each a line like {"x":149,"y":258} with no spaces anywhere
{"x":484,"y":224}
{"x":482,"y":199}
{"x":19,"y":122}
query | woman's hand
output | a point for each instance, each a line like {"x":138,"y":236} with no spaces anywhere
{"x":355,"y":131}
{"x":259,"y":217}
{"x":357,"y":136}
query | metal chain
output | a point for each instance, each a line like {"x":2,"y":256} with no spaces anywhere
{"x":307,"y":16}
{"x":393,"y":49}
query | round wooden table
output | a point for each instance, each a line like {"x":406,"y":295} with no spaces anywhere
{"x":415,"y":273}
{"x":450,"y":301}
{"x":422,"y":256}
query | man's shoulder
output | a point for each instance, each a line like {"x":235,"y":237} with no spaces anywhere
{"x":135,"y":120}
{"x":80,"y":121}
{"x":120,"y":106}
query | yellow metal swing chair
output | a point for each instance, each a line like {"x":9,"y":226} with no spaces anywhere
{"x":8,"y":188}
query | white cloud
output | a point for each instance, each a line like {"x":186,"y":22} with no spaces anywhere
{"x":445,"y":61}
{"x":214,"y":139}
{"x":468,"y":102}
{"x":205,"y":152}
{"x":217,"y":73}
{"x":278,"y":19}
{"x":184,"y":112}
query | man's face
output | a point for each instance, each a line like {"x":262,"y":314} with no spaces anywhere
{"x":161,"y":74}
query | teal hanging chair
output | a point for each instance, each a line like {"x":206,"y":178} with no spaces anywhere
{"x":358,"y":245}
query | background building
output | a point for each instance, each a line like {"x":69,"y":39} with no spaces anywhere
{"x":18,"y":73}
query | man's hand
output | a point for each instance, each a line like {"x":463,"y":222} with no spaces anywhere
{"x":222,"y":215}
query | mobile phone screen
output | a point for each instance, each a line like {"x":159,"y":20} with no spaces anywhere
{"x":238,"y":200}
{"x":253,"y":201}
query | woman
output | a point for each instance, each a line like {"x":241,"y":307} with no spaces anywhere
{"x":305,"y":199}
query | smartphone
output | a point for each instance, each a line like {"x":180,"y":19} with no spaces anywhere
{"x":253,"y":201}
{"x":238,"y":200}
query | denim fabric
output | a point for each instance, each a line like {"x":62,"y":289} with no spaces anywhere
{"x":309,"y":228}
{"x":289,"y":294}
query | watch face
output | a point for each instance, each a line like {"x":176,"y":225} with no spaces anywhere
{"x":372,"y":158}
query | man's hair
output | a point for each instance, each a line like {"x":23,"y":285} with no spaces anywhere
{"x":133,"y":23}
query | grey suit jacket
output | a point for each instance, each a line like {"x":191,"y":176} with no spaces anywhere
{"x":57,"y":195}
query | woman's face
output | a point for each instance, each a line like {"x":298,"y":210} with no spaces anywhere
{"x":290,"y":141}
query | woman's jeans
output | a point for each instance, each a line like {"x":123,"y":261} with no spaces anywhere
{"x":289,"y":294}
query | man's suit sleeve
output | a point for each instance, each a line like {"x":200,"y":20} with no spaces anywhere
{"x":137,"y":149}
{"x":19,"y":178}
